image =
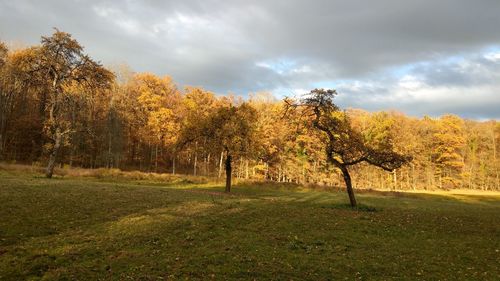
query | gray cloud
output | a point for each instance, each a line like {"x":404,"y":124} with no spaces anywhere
{"x":243,"y":46}
{"x":468,"y":86}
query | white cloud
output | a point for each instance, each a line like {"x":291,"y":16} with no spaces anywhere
{"x":495,"y":57}
{"x":469,"y":87}
{"x":410,"y":83}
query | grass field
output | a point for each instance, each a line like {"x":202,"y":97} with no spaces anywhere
{"x":84,"y":228}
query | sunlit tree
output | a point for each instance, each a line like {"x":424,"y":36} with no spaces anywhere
{"x":60,"y":63}
{"x":344,"y":145}
{"x":230,"y":128}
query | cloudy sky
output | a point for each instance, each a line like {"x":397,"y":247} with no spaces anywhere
{"x":422,"y":57}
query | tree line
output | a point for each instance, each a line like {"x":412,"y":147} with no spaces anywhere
{"x":59,"y":107}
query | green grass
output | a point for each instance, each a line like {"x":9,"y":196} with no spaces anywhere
{"x":103,"y":229}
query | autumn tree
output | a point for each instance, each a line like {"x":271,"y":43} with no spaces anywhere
{"x":448,"y":142}
{"x":3,"y":53}
{"x":159,"y":100}
{"x":271,"y":135}
{"x":18,"y":88}
{"x":495,"y":137}
{"x":230,"y":128}
{"x":198,"y":104}
{"x":380,"y":129}
{"x":345,"y":146}
{"x":60,"y":63}
{"x":3,"y":94}
{"x":11,"y":86}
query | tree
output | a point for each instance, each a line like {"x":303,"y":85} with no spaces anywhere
{"x":61,"y":64}
{"x":344,"y":145}
{"x":198,"y":104}
{"x":18,"y":86}
{"x":3,"y":53}
{"x":150,"y":107}
{"x":4,"y":96}
{"x":495,"y":134}
{"x":448,"y":143}
{"x":271,"y":135}
{"x":230,"y":128}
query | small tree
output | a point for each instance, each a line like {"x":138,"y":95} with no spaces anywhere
{"x":228,"y":128}
{"x":344,"y":145}
{"x":448,"y":138}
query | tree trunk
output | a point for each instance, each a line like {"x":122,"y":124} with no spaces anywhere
{"x":150,"y":157}
{"x":195,"y":162}
{"x":110,"y":155}
{"x":156,"y":158}
{"x":413,"y":176}
{"x":348,"y":185}
{"x":401,"y":179}
{"x":53,"y":155}
{"x":173,"y":164}
{"x":394,"y":176}
{"x":1,"y":146}
{"x":220,"y":163}
{"x":495,"y":159}
{"x":228,"y":172}
{"x":207,"y":165}
{"x":408,"y":185}
{"x":247,"y":174}
{"x":71,"y":153}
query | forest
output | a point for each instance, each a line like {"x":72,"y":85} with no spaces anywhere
{"x":60,"y":108}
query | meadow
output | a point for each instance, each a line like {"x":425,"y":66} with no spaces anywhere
{"x":76,"y":227}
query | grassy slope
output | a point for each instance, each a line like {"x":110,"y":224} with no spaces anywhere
{"x":90,"y":229}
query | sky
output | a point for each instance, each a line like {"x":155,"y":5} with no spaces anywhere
{"x":420,"y":57}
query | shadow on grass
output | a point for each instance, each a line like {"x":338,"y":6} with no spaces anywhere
{"x":305,"y":194}
{"x":89,"y":230}
{"x":236,"y":239}
{"x":358,"y":208}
